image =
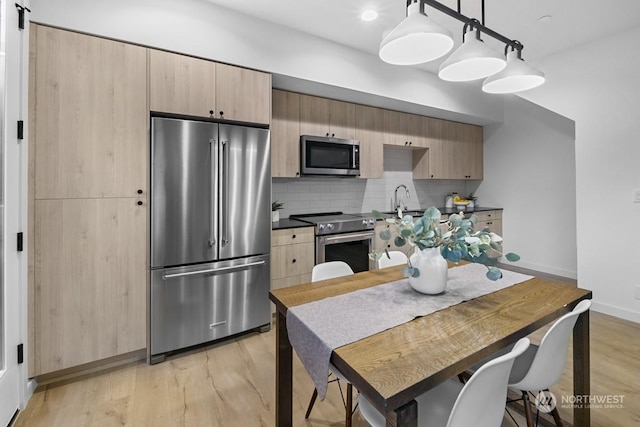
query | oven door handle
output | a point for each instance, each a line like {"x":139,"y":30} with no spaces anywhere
{"x":349,"y":237}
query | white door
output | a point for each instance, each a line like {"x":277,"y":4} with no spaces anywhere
{"x":12,"y":207}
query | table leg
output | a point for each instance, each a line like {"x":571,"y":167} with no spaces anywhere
{"x":404,"y":416}
{"x":284,"y":374}
{"x":581,"y":374}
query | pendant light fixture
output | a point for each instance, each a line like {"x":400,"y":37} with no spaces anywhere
{"x":516,"y":77}
{"x":473,"y":60}
{"x":417,"y":39}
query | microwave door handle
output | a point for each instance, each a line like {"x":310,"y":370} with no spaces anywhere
{"x":224,"y":220}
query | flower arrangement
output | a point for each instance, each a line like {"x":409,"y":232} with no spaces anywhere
{"x":459,"y":241}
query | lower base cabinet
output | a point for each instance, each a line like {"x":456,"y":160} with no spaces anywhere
{"x":90,"y":280}
{"x":292,"y":256}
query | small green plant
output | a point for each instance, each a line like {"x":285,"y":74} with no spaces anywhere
{"x":276,"y":206}
{"x":459,"y":242}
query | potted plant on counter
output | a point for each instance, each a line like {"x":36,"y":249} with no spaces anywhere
{"x":435,"y":245}
{"x":275,"y":210}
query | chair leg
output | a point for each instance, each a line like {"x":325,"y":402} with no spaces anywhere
{"x":314,"y":396}
{"x":348,"y":406}
{"x":556,"y":417}
{"x":527,"y":409}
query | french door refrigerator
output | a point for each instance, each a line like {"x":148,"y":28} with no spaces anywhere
{"x":210,"y":232}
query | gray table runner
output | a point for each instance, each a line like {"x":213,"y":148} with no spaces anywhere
{"x":316,"y":328}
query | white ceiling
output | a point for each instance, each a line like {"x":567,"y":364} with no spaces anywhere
{"x":572,"y":22}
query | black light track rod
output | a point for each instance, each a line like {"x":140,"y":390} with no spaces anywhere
{"x":466,"y":20}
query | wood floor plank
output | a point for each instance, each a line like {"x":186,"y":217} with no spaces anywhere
{"x":232,"y":383}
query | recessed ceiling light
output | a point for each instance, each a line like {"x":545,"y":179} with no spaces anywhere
{"x":544,"y":19}
{"x":369,"y":15}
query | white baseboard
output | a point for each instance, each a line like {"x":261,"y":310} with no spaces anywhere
{"x":611,"y":310}
{"x":32,"y":384}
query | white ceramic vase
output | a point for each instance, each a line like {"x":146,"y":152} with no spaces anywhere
{"x":433,"y":271}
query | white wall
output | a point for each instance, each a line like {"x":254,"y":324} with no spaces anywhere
{"x":529,"y":170}
{"x":202,"y":29}
{"x":597,"y":85}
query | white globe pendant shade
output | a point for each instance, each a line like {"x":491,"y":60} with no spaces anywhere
{"x":516,"y":77}
{"x":415,"y":40}
{"x":473,"y":60}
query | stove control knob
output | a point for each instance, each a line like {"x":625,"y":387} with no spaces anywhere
{"x":321,"y":227}
{"x":330,"y":226}
{"x":372,"y":222}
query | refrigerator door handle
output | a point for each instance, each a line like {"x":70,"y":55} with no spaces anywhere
{"x":214,"y":270}
{"x":224,"y":185}
{"x":213,"y":152}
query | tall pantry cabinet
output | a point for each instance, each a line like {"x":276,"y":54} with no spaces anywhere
{"x":88,"y":216}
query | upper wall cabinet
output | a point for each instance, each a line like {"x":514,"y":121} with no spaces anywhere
{"x":455,"y":150}
{"x":242,"y":94}
{"x":370,"y":133}
{"x":407,"y":130}
{"x":327,"y":117}
{"x":285,"y":135}
{"x":182,"y":84}
{"x":90,"y":102}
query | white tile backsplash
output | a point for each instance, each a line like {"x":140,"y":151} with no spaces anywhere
{"x":355,"y":195}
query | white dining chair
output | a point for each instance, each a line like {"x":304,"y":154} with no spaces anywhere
{"x":542,"y":366}
{"x":394,"y":258}
{"x":478,"y":403}
{"x":324,"y":271}
{"x":329,"y":270}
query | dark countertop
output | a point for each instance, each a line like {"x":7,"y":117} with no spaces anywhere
{"x":447,"y":211}
{"x":285,"y":223}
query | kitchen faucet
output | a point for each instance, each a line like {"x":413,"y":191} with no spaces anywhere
{"x":396,"y":204}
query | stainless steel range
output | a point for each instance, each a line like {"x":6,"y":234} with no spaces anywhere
{"x":343,"y":237}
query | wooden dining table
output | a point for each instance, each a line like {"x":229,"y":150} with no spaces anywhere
{"x":393,"y":367}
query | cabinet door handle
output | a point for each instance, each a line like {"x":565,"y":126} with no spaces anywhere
{"x":139,"y":191}
{"x":293,"y":261}
{"x":139,"y":203}
{"x":222,"y":114}
{"x":293,"y":237}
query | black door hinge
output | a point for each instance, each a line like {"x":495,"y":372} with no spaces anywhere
{"x":21,"y":10}
{"x":20,"y":129}
{"x":20,"y":242}
{"x":20,"y":353}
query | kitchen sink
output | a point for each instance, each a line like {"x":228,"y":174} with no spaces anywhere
{"x":417,"y":212}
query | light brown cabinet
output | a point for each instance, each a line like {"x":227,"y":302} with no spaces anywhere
{"x":90,"y":270}
{"x":370,"y":133}
{"x":90,"y":113}
{"x":491,"y":220}
{"x":327,"y":117}
{"x":88,"y":211}
{"x":455,"y":150}
{"x":292,"y":256}
{"x":404,"y":129}
{"x":242,"y":94}
{"x":181,"y":84}
{"x":185,"y":85}
{"x":285,"y":135}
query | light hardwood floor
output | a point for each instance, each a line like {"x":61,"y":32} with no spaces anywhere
{"x":231,"y":383}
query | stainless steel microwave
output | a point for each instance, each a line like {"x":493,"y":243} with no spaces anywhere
{"x":321,"y":155}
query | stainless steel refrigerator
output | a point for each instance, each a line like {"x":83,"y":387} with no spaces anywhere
{"x":210,"y":232}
